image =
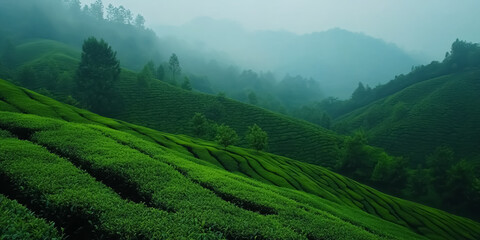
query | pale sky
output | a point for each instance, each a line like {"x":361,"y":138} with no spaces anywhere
{"x":423,"y":26}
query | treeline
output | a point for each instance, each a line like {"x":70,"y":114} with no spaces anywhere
{"x":463,"y":55}
{"x":443,"y":181}
{"x":263,"y":89}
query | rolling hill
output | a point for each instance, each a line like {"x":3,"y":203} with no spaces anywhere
{"x":114,"y":189}
{"x":413,"y":122}
{"x":148,"y":106}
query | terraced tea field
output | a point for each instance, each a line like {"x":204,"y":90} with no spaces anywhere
{"x":127,"y":181}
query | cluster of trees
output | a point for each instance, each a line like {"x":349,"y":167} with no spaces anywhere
{"x":150,"y":72}
{"x":113,"y":14}
{"x":263,"y":89}
{"x":203,"y":127}
{"x":69,"y":22}
{"x":442,"y":181}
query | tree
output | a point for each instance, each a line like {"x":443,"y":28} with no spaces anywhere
{"x":146,"y":75}
{"x":359,"y":93}
{"x":139,"y":21}
{"x":257,"y":138}
{"x":226,"y":136}
{"x":96,"y":9}
{"x":419,"y":182}
{"x":160,"y":74}
{"x":186,"y":84}
{"x":252,"y":98}
{"x":440,"y":161}
{"x":174,"y":66}
{"x":97,"y":73}
{"x":357,"y":159}
{"x":74,"y":5}
{"x":200,"y":125}
{"x":119,"y":14}
{"x":216,"y":111}
{"x":459,"y":184}
{"x":390,"y":173}
{"x":112,"y":13}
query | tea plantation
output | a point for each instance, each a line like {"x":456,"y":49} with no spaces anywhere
{"x":101,"y":178}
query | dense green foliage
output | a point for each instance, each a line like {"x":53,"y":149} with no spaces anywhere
{"x":226,"y":136}
{"x":96,"y":74}
{"x":17,"y":222}
{"x":257,"y":138}
{"x":230,"y":205}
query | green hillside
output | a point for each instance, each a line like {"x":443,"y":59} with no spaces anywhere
{"x":415,"y":121}
{"x":148,"y":106}
{"x":193,"y":191}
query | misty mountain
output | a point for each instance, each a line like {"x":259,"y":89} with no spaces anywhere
{"x":337,"y":58}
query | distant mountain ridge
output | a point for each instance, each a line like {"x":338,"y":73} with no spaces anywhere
{"x":337,"y":58}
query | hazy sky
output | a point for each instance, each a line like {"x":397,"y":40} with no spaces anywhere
{"x":424,"y":26}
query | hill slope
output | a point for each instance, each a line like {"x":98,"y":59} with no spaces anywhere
{"x":128,"y":165}
{"x":167,"y":108}
{"x":413,"y":122}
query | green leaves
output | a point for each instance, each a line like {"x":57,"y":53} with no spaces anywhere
{"x":17,"y":222}
{"x":226,"y":136}
{"x":257,"y":138}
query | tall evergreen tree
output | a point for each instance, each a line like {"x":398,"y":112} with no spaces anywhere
{"x":174,"y":65}
{"x":96,"y":75}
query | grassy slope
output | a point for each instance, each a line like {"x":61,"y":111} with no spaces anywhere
{"x":332,"y":194}
{"x":416,"y":120}
{"x":148,"y":107}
